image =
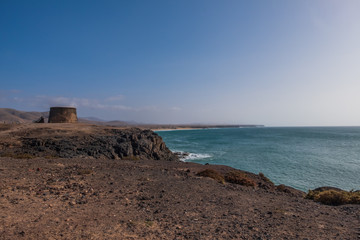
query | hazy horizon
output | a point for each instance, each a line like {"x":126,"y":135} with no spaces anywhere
{"x":273,"y":63}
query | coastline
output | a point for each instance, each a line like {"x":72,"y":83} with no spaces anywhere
{"x":175,"y":129}
{"x":151,"y":195}
{"x":194,"y":127}
{"x":276,"y":153}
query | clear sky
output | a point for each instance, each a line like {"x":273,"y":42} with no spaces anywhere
{"x":278,"y":63}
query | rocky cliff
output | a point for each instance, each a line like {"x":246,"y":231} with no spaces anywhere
{"x":82,"y":140}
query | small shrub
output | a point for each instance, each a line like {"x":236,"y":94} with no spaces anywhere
{"x":310,"y":195}
{"x":282,"y":188}
{"x":354,"y":197}
{"x":211,"y":174}
{"x":239,"y":178}
{"x":264,"y":178}
{"x":85,"y":171}
{"x":149,"y":223}
{"x":334,"y":197}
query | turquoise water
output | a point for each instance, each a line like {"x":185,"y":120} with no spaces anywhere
{"x":301,"y":157}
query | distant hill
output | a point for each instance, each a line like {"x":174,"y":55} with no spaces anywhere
{"x":118,"y":123}
{"x":9,"y":115}
{"x":94,"y":119}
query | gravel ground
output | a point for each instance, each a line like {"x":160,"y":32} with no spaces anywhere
{"x":81,"y":181}
{"x":148,"y":199}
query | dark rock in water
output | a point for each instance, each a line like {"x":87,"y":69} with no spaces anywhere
{"x":127,"y":144}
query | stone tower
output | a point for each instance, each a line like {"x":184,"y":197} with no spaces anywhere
{"x":62,"y":115}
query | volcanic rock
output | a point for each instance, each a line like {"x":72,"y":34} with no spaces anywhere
{"x":82,"y":140}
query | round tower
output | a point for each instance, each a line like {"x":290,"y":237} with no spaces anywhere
{"x":62,"y":115}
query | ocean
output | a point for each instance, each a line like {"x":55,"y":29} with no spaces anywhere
{"x":301,"y":157}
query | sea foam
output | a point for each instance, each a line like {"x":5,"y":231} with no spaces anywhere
{"x":300,"y":157}
{"x":185,"y":156}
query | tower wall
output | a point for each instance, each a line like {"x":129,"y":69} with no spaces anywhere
{"x":62,"y":115}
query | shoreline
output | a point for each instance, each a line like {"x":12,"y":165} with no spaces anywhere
{"x":233,"y":147}
{"x":198,"y":127}
{"x":91,"y":193}
{"x":174,"y":129}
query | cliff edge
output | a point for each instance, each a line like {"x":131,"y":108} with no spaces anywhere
{"x":82,"y":140}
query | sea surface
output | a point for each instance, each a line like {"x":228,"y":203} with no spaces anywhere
{"x":301,"y":157}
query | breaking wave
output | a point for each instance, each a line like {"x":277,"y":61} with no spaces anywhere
{"x":186,"y":156}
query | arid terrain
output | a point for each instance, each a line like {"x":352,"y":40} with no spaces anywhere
{"x":13,"y":116}
{"x":81,"y":181}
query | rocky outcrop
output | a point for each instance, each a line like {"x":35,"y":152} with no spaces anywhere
{"x":111,"y":143}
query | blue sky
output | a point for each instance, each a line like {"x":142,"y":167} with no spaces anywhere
{"x":278,"y":63}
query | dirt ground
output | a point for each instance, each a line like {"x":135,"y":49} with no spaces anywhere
{"x":148,"y":199}
{"x":135,"y":194}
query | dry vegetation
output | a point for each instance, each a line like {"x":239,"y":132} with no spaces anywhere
{"x":85,"y":171}
{"x":334,"y":197}
{"x":328,"y":197}
{"x":263,"y":177}
{"x":282,"y":188}
{"x":212,"y":174}
{"x":241,"y":178}
{"x":236,"y":177}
